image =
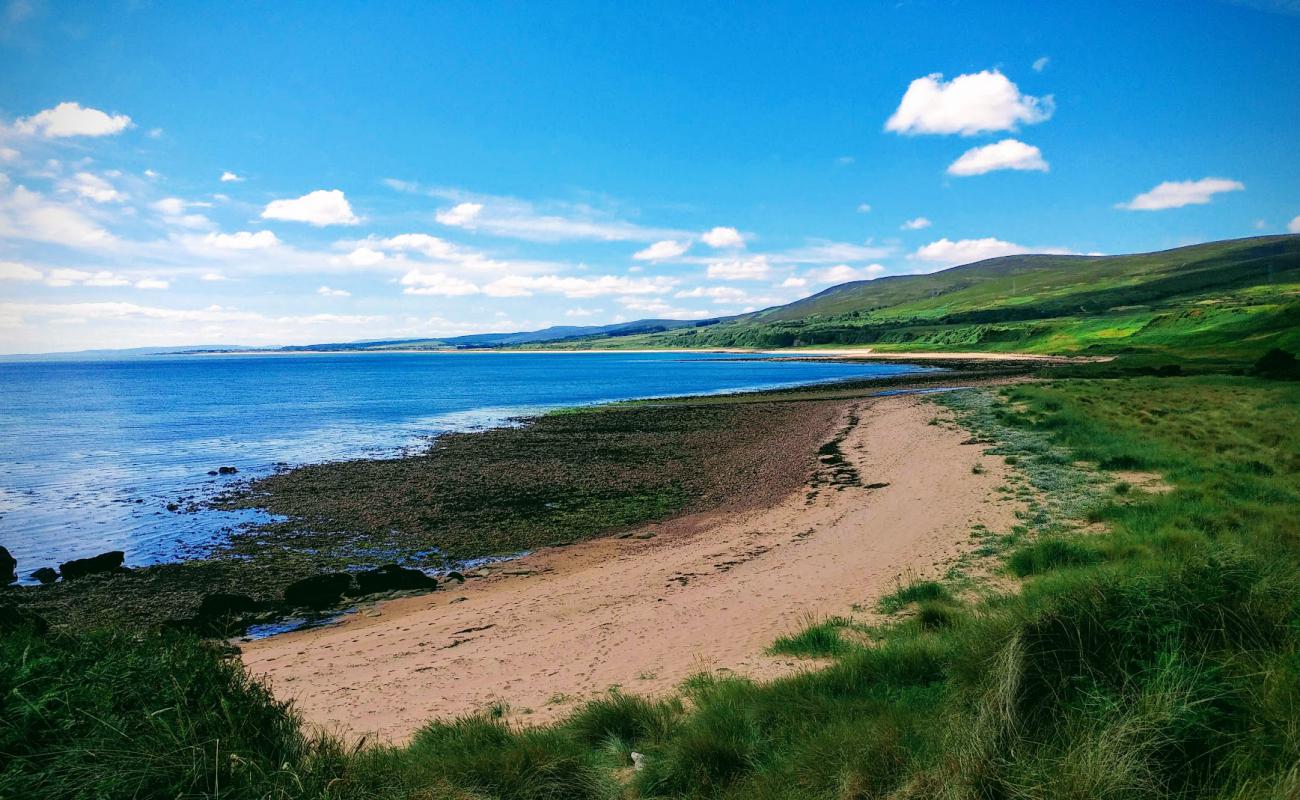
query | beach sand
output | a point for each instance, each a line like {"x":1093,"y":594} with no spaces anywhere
{"x":707,"y":592}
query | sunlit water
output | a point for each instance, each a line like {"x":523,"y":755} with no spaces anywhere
{"x":94,"y":451}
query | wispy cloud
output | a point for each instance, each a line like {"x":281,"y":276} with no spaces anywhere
{"x":1176,"y":194}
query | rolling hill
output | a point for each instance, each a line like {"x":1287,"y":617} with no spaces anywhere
{"x":1240,"y":295}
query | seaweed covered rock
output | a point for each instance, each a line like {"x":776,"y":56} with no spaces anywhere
{"x":391,"y":577}
{"x":81,"y":567}
{"x":46,"y":575}
{"x":1277,"y":364}
{"x":221,"y":604}
{"x":318,"y":591}
{"x":8,"y":567}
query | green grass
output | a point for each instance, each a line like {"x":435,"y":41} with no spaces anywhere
{"x":1158,"y":657}
{"x":817,"y":639}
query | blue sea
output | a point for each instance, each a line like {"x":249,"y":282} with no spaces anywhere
{"x":94,"y":451}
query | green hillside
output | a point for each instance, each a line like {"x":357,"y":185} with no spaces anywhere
{"x":1233,"y":297}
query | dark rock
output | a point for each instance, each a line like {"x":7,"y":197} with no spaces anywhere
{"x":455,"y":576}
{"x":13,"y":618}
{"x":391,"y":577}
{"x":318,"y":591}
{"x":212,"y":472}
{"x":226,"y":470}
{"x":81,"y":567}
{"x":876,"y":485}
{"x":173,"y":507}
{"x":46,"y":575}
{"x":221,"y":604}
{"x":8,"y":567}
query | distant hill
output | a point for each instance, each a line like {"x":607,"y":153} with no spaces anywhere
{"x":1241,"y":294}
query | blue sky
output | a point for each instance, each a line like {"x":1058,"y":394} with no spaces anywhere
{"x":257,"y":173}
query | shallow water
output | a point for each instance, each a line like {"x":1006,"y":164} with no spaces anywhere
{"x":94,"y":451}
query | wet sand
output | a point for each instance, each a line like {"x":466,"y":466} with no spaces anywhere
{"x":644,"y":610}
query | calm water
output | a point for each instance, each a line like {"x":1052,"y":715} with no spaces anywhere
{"x":93,"y":451}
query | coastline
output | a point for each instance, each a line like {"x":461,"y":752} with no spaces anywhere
{"x":710,"y":590}
{"x":671,"y":456}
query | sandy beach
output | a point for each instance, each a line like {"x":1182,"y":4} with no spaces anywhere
{"x":645,"y":610}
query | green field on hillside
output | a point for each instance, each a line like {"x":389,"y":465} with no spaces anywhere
{"x":1231,"y":299}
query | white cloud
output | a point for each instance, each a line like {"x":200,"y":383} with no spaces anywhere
{"x":320,"y":208}
{"x":213,"y":277}
{"x":1040,"y":63}
{"x":1294,"y":226}
{"x":1006,"y":154}
{"x":461,"y":215}
{"x":230,"y":177}
{"x":843,"y":273}
{"x":965,"y":251}
{"x":1176,"y":194}
{"x":8,"y":154}
{"x":794,"y":283}
{"x":365,"y":257}
{"x":864,"y":208}
{"x":152,"y":283}
{"x":718,"y":294}
{"x":326,"y":291}
{"x":92,"y":187}
{"x":723,"y":237}
{"x":77,"y":277}
{"x":968,"y":104}
{"x":583,"y":312}
{"x":13,"y":271}
{"x":525,"y":285}
{"x":741,"y":269}
{"x":436,"y":283}
{"x":430,"y":246}
{"x":920,"y":223}
{"x":27,"y":215}
{"x":824,"y":252}
{"x":171,"y":206}
{"x":659,"y":309}
{"x":242,"y":240}
{"x":662,"y":251}
{"x":72,"y":119}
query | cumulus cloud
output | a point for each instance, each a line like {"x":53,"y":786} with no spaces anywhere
{"x":1294,"y":226}
{"x":741,"y":269}
{"x":582,"y":312}
{"x":843,"y":273}
{"x":320,"y":208}
{"x":72,"y":119}
{"x":968,"y":104}
{"x":326,"y":291}
{"x":461,"y":215}
{"x":9,"y":154}
{"x":230,"y":177}
{"x":213,"y":277}
{"x":365,"y":257}
{"x":718,"y":294}
{"x":662,"y":250}
{"x":794,"y":283}
{"x":28,"y":215}
{"x":965,"y":251}
{"x":13,"y":271}
{"x":437,"y":283}
{"x":152,"y":283}
{"x":864,"y":208}
{"x":242,"y":240}
{"x":723,"y":237}
{"x":1006,"y":154}
{"x":429,"y":246}
{"x":1176,"y":194}
{"x":920,"y":223}
{"x":91,"y":187}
